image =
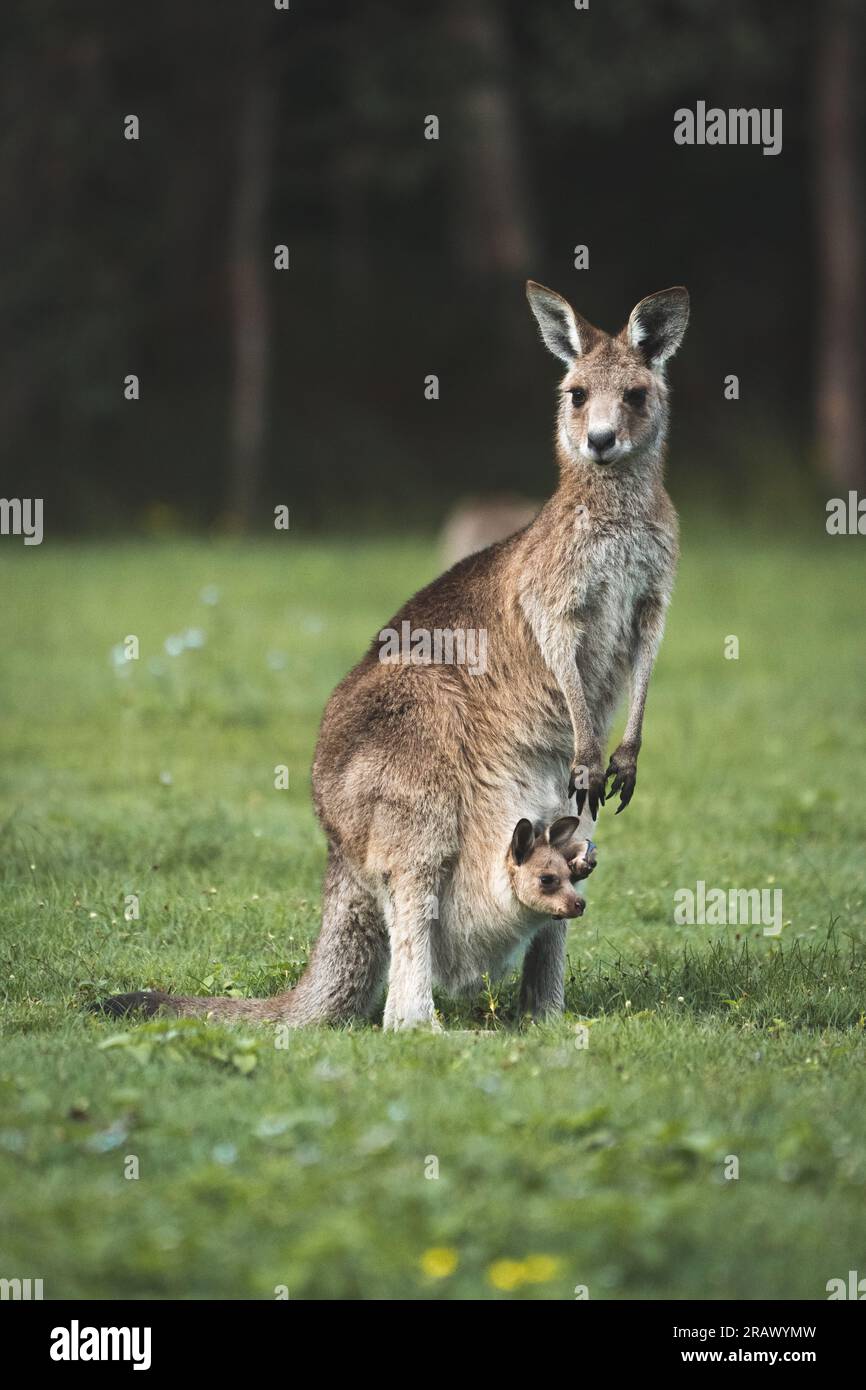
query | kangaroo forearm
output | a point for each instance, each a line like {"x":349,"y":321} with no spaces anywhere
{"x":581,"y":723}
{"x":571,"y":685}
{"x":586,"y":779}
{"x":558,"y":644}
{"x":640,"y":685}
{"x":651,"y":632}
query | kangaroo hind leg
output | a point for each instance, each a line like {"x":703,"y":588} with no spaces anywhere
{"x":412,"y":919}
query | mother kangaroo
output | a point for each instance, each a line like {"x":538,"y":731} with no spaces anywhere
{"x":424,"y":765}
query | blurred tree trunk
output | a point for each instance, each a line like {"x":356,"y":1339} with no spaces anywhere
{"x":489,"y":206}
{"x":250,"y":263}
{"x":840,"y":232}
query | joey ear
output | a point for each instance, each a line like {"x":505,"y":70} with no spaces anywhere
{"x":565,"y":333}
{"x":656,"y":326}
{"x":522,"y":840}
{"x":561,"y":831}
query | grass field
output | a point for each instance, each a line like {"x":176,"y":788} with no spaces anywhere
{"x":312,"y":1169}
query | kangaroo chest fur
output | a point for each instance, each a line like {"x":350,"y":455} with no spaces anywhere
{"x":618,"y":570}
{"x":585,"y":611}
{"x":480,"y":927}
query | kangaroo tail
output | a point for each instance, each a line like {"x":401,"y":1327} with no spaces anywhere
{"x":341,"y":981}
{"x":148,"y":1002}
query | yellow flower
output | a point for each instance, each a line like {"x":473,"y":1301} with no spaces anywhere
{"x":540,"y":1269}
{"x":439,"y":1262}
{"x":535,"y":1269}
{"x":506,"y":1274}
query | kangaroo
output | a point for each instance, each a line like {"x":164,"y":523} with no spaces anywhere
{"x":477,"y":522}
{"x":423,"y":764}
{"x":475,"y":934}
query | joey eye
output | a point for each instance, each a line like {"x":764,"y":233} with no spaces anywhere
{"x":635,"y":396}
{"x":548,"y":880}
{"x":578,"y":397}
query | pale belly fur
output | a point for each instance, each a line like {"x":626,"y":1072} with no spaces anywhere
{"x":481,"y":927}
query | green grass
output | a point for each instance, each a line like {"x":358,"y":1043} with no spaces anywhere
{"x":559,"y":1165}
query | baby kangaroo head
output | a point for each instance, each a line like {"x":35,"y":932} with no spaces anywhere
{"x":613,"y":399}
{"x":544,"y":864}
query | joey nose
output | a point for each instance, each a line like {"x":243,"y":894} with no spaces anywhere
{"x":601,"y":440}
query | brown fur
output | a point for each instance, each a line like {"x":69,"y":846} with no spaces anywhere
{"x":422,"y":770}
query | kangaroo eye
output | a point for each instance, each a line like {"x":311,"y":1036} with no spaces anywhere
{"x":636,"y":396}
{"x":548,"y":880}
{"x":578,"y":397}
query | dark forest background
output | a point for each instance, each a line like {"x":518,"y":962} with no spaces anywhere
{"x":407,"y":256}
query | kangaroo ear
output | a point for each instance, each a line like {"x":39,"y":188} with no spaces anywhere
{"x":522,"y":840}
{"x":560,"y":832}
{"x":657,"y":325}
{"x":566,"y":334}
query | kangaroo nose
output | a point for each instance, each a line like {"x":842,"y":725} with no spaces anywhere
{"x":601,"y":440}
